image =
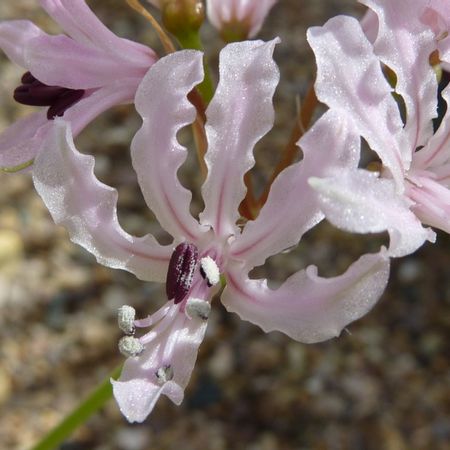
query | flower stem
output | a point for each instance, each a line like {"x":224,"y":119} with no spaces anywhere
{"x":192,"y":40}
{"x":94,"y":401}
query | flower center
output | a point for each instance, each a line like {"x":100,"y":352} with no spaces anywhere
{"x":35,"y":93}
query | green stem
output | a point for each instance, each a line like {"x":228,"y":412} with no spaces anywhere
{"x":94,"y":401}
{"x":192,"y":40}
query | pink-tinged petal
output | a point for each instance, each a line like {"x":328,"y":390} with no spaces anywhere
{"x":436,"y":16}
{"x":405,"y":44}
{"x":306,"y":307}
{"x":65,"y":180}
{"x":175,"y":349}
{"x":369,"y":24}
{"x":22,"y":141}
{"x":360,"y":202}
{"x":292,"y":207}
{"x":79,"y":22}
{"x":156,"y":154}
{"x":239,"y":115}
{"x":350,"y":81}
{"x":61,"y":61}
{"x":14,"y":38}
{"x":437,"y":151}
{"x":432,"y":202}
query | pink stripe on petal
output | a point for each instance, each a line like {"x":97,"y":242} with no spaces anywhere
{"x":432,"y":203}
{"x":350,"y":81}
{"x":156,"y":154}
{"x":306,"y":307}
{"x":239,"y":115}
{"x":65,"y":180}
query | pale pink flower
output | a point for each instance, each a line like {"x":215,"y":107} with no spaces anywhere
{"x":77,"y":76}
{"x":244,"y":17}
{"x":306,"y":307}
{"x":413,"y":185}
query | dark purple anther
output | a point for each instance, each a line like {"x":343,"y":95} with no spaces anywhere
{"x":34,"y":93}
{"x":181,"y":271}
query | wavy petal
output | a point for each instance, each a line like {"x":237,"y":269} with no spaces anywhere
{"x":240,"y":113}
{"x":292,"y":207}
{"x":139,"y":388}
{"x":156,"y":154}
{"x":14,"y":38}
{"x":405,"y":45}
{"x":306,"y":307}
{"x":350,"y":81}
{"x":65,"y":180}
{"x":78,"y":21}
{"x":360,"y":202}
{"x":437,"y":151}
{"x":61,"y":61}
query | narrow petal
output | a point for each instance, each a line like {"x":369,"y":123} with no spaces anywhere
{"x":65,"y":180}
{"x":432,"y":202}
{"x":14,"y":38}
{"x":437,"y":151}
{"x":405,"y":44}
{"x":292,"y":207}
{"x":61,"y":61}
{"x":360,"y":202}
{"x":22,"y":141}
{"x":175,"y":350}
{"x":156,"y":154}
{"x":350,"y":81}
{"x":80,"y":23}
{"x":306,"y":307}
{"x":240,"y":113}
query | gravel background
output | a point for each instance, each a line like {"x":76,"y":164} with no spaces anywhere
{"x":383,"y":386}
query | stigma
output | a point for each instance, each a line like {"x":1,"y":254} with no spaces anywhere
{"x":181,"y":270}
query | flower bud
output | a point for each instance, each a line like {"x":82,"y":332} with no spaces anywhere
{"x":238,"y":20}
{"x":182,"y":16}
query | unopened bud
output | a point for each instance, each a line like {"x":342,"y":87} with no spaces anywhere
{"x":182,"y":17}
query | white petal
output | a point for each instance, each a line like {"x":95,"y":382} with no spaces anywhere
{"x":306,"y":307}
{"x":156,"y":154}
{"x":65,"y":180}
{"x":240,"y":113}
{"x":360,"y":202}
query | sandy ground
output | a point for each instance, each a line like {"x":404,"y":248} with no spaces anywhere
{"x":383,"y":386}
